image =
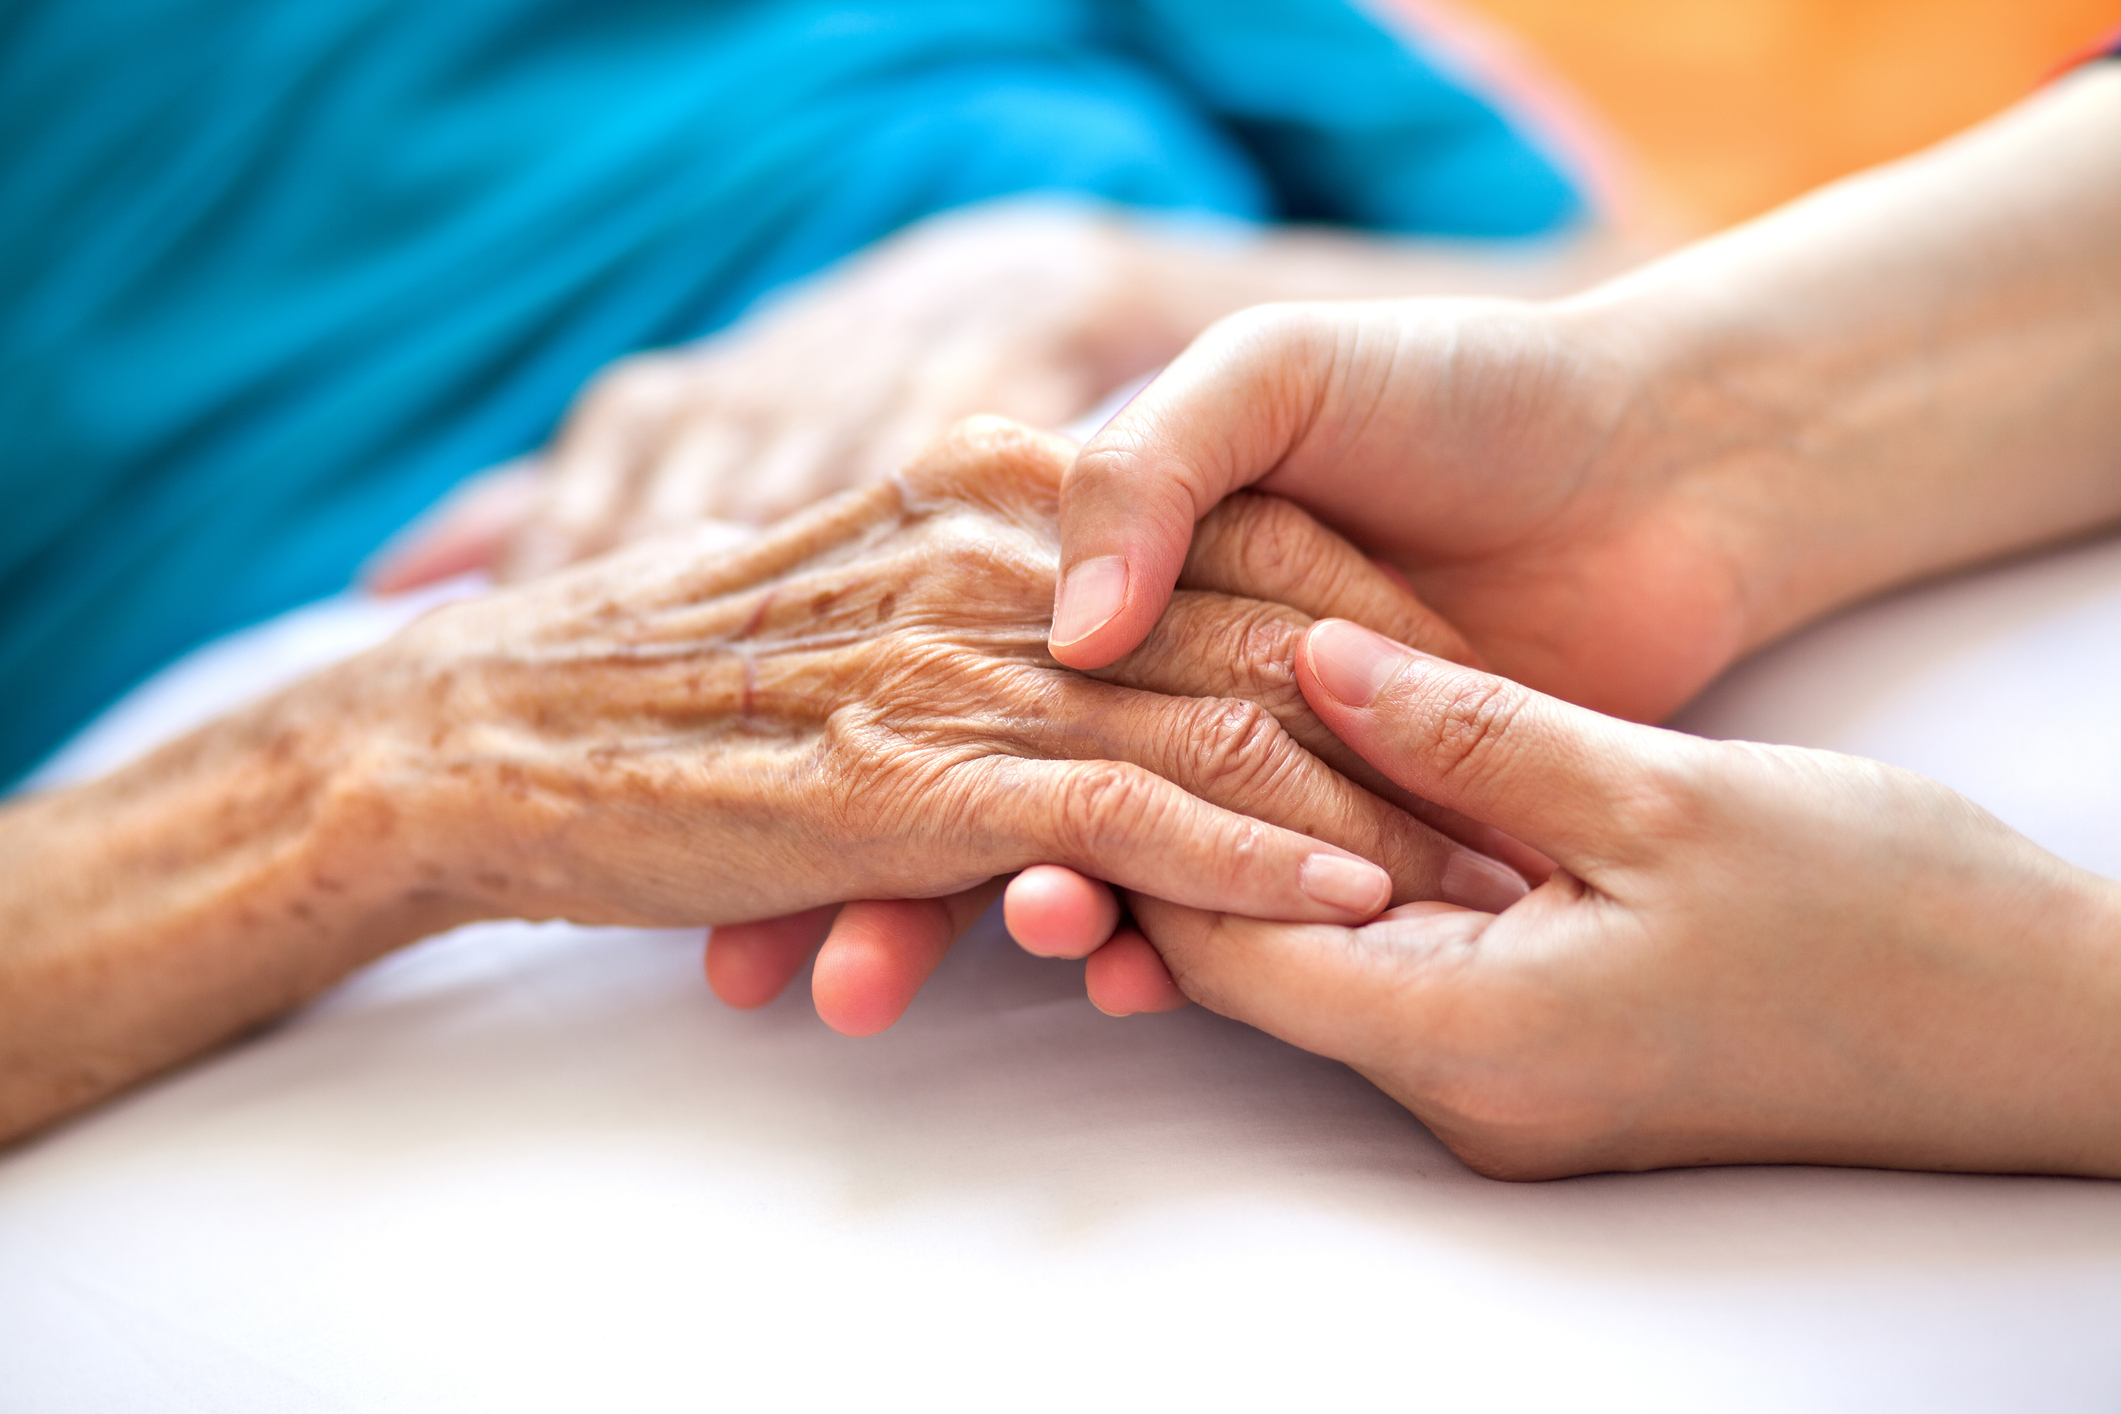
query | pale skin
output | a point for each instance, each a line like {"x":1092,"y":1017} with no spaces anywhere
{"x":1743,"y":953}
{"x":855,"y":704}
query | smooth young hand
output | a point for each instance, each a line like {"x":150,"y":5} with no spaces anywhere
{"x":1614,"y":495}
{"x":1746,"y":953}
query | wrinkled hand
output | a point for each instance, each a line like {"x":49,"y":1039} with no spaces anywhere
{"x":1030,"y":310}
{"x":1504,"y":456}
{"x":858,"y":704}
{"x":1257,"y":572}
{"x":1747,"y":953}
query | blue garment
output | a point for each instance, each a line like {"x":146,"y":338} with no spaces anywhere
{"x":274,"y":275}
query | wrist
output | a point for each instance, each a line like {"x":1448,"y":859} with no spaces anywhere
{"x":2037,"y":1059}
{"x":182,"y":900}
{"x":402,"y":802}
{"x":2074,"y":1083}
{"x":1739,"y":433}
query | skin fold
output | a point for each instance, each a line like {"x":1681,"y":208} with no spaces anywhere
{"x":856,"y":704}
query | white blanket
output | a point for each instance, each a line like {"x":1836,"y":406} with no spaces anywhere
{"x":526,"y":1167}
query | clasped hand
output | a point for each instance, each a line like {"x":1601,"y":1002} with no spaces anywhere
{"x":859,"y":704}
{"x":1734,"y":952}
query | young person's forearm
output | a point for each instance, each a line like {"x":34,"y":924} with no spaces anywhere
{"x":1190,"y":277}
{"x":1910,"y":371}
{"x":151,"y":915}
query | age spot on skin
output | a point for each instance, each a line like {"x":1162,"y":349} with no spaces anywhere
{"x":885,"y":605}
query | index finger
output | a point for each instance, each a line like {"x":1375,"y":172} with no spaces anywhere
{"x":1222,"y":416}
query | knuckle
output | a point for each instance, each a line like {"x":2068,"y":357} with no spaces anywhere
{"x":1267,"y":640}
{"x":1474,"y":722}
{"x":1194,"y":970}
{"x":1276,"y":540}
{"x":1267,"y":635}
{"x":974,"y":455}
{"x":1103,"y":806}
{"x":1109,"y":459}
{"x":1236,"y":746}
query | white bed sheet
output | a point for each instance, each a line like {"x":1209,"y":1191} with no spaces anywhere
{"x":537,"y":1167}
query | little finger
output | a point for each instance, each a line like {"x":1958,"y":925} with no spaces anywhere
{"x":1115,"y":820}
{"x":1232,"y":753}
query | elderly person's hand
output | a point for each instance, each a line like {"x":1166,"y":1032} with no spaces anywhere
{"x":1029,"y":309}
{"x":1026,"y":310}
{"x":856,"y":704}
{"x":1256,"y":575}
{"x":1747,"y":953}
{"x":859,"y":704}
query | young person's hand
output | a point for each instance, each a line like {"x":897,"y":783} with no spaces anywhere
{"x":1745,"y":953}
{"x":1614,"y":495}
{"x":1495,"y":453}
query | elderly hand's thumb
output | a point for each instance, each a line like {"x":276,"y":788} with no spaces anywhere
{"x":1531,"y":765}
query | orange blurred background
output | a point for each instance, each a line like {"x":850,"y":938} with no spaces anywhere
{"x":1732,"y":106}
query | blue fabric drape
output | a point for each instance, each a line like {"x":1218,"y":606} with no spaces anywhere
{"x":273,"y":276}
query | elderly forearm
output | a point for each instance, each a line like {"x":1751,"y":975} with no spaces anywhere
{"x":1910,"y":371}
{"x":853,"y":705}
{"x":154,"y":914}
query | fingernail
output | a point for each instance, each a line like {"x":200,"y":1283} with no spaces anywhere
{"x":1356,"y":885}
{"x":1353,"y":663}
{"x":1476,"y":881}
{"x":1089,"y":598}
